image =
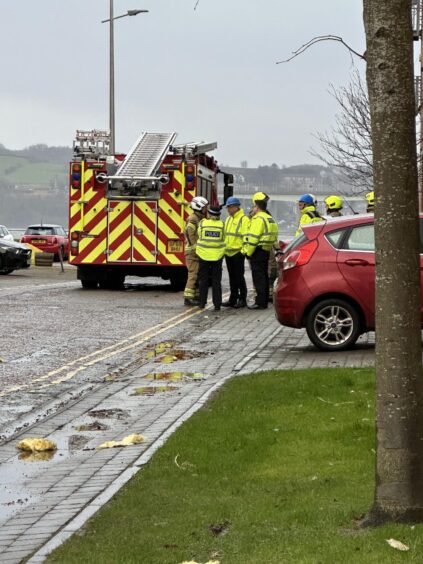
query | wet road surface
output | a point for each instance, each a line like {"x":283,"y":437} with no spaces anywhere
{"x":57,"y":336}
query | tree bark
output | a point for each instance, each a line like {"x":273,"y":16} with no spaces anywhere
{"x":399,"y":382}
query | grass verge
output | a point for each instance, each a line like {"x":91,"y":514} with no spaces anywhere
{"x":275,"y":469}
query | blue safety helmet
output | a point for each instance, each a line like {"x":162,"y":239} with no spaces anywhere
{"x":307,"y":199}
{"x":232,"y":201}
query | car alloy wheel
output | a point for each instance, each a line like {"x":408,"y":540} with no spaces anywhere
{"x":333,"y":324}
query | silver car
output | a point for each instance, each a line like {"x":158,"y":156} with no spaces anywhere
{"x":5,"y":234}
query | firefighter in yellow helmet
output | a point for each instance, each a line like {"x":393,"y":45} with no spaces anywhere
{"x":199,"y":209}
{"x":258,"y":242}
{"x":333,"y":206}
{"x":210,"y":250}
{"x":370,"y":197}
{"x":272,"y":269}
{"x":262,"y":196}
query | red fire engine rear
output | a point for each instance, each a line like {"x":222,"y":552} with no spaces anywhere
{"x":127,"y":214}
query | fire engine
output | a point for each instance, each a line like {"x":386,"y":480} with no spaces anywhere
{"x":127,"y":214}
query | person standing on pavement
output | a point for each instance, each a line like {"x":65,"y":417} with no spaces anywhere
{"x":261,"y":236}
{"x":236,"y":225}
{"x":334,"y":206}
{"x":210,"y":250}
{"x":308,"y":212}
{"x":199,"y":208}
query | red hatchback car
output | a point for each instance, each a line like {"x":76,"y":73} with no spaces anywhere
{"x":48,"y":238}
{"x":326,"y":281}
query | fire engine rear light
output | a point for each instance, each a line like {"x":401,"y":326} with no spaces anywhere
{"x":301,"y":256}
{"x":189,"y":169}
{"x":76,"y":168}
{"x":74,"y":243}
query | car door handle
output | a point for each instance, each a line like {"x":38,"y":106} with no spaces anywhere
{"x":357,"y":262}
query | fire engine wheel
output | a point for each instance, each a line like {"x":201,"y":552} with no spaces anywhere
{"x":89,"y":284}
{"x":2,"y":272}
{"x":115,"y":283}
{"x":178,"y":281}
{"x":333,"y":325}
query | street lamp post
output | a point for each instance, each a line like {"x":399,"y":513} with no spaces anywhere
{"x":111,"y":19}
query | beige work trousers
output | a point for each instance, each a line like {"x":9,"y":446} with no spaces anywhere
{"x":192,"y":263}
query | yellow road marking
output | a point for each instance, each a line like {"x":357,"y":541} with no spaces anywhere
{"x":106,"y":352}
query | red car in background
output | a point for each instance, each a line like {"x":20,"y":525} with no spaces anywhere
{"x":326,"y":281}
{"x":47,"y":237}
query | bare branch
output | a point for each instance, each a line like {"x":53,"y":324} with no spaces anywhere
{"x":318,"y":39}
{"x":196,"y":4}
{"x":347,"y":147}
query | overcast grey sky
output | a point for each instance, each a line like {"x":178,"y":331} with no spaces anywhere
{"x":208,"y":74}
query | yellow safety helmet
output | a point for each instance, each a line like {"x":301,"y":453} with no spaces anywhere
{"x":370,"y":197}
{"x":334,"y":202}
{"x":260,"y":196}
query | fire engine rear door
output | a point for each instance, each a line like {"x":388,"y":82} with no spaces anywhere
{"x":144,"y":232}
{"x":119,"y":231}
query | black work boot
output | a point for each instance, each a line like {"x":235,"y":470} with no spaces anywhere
{"x":229,"y":303}
{"x":190,"y":302}
{"x":242,"y":302}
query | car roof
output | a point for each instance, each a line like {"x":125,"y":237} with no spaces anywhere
{"x":43,"y":225}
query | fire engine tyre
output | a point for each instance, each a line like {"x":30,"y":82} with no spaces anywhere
{"x":116,"y":283}
{"x":333,"y":325}
{"x":89,"y":284}
{"x":178,"y":281}
{"x":3,"y":272}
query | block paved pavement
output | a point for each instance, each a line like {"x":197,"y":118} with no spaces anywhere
{"x":44,"y":502}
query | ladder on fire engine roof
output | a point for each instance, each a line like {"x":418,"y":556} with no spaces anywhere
{"x":194,"y":149}
{"x":146,"y":156}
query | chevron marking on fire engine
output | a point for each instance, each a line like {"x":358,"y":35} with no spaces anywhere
{"x":78,"y":365}
{"x":119,"y":236}
{"x":93,"y":250}
{"x":145,"y":243}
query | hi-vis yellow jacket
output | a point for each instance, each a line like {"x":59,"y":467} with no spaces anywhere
{"x":308,"y":215}
{"x":236,"y":226}
{"x":262,"y":233}
{"x":211,"y":239}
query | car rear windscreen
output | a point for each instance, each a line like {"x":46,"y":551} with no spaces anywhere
{"x":40,"y":231}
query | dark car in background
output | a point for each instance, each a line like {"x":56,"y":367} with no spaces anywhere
{"x":13,"y":256}
{"x":49,"y":238}
{"x":326,"y":281}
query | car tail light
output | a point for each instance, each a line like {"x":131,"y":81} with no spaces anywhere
{"x":301,"y":256}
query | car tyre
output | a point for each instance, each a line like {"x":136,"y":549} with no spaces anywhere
{"x":333,"y":325}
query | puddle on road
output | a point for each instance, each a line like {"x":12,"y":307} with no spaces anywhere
{"x":159,"y":349}
{"x":175,"y":376}
{"x":37,"y":456}
{"x":13,"y":476}
{"x":94,"y":426}
{"x":77,"y":442}
{"x":178,"y":354}
{"x":151,"y":390}
{"x":114,"y":413}
{"x":31,"y":357}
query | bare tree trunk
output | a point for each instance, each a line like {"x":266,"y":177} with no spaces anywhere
{"x":399,"y":383}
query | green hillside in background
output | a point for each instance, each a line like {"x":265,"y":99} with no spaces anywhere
{"x":21,"y":170}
